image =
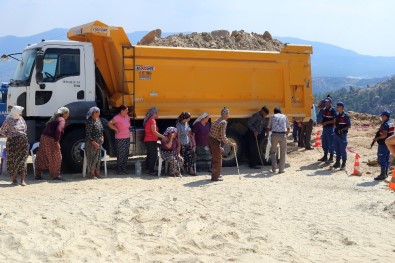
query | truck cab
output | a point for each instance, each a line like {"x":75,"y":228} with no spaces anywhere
{"x":62,"y":79}
{"x":52,"y":74}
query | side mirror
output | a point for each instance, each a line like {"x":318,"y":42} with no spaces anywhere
{"x":39,"y":77}
{"x":39,"y":66}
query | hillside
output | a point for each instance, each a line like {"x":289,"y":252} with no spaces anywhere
{"x":330,"y":84}
{"x":372,"y":100}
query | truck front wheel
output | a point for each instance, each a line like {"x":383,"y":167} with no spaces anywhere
{"x":72,"y":155}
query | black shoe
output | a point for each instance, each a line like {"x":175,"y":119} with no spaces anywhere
{"x":323,"y":159}
{"x":255,"y":167}
{"x":343,"y":167}
{"x":217,"y":179}
{"x":381,"y":177}
{"x":330,"y":160}
{"x":337,"y":164}
{"x":309,"y":148}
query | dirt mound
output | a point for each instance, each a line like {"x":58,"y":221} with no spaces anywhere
{"x":218,"y":39}
{"x":364,"y":119}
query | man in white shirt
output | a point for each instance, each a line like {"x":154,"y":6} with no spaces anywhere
{"x":279,"y":126}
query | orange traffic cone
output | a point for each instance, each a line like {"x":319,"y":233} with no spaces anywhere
{"x":318,"y":139}
{"x":392,"y":182}
{"x":357,"y":168}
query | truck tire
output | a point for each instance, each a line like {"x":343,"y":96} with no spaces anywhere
{"x":73,"y":157}
{"x":228,"y":156}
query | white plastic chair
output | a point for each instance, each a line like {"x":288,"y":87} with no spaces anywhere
{"x":33,"y":154}
{"x":160,"y":161}
{"x":103,"y":159}
{"x":3,"y":162}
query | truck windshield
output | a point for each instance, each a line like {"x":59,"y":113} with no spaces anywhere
{"x":24,"y":68}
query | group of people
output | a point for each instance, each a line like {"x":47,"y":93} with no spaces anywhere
{"x":336,"y":123}
{"x":49,"y":155}
{"x":182,"y":145}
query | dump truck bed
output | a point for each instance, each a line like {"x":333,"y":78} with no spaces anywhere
{"x":198,"y":80}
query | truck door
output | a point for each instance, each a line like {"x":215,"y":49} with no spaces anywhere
{"x":63,"y":81}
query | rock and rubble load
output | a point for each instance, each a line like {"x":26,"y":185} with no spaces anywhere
{"x":218,"y":39}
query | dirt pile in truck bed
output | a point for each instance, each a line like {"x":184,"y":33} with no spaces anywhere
{"x":218,"y":39}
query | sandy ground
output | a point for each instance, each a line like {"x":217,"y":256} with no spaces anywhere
{"x":308,"y":214}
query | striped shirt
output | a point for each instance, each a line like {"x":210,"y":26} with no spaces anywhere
{"x":279,"y":123}
{"x":218,"y":131}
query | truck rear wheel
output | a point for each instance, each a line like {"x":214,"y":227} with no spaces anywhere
{"x":228,"y":156}
{"x":73,"y":157}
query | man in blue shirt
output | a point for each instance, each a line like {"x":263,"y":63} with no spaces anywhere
{"x":328,"y":133}
{"x":342,"y":124}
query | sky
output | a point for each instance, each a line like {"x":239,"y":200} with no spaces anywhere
{"x":364,"y":26}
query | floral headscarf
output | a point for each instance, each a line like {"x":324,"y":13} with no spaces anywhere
{"x":91,"y":111}
{"x":149,"y":114}
{"x":201,"y":117}
{"x":170,"y":130}
{"x":60,"y":111}
{"x":15,"y":112}
{"x":224,"y":111}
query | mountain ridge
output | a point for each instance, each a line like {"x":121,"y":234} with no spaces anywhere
{"x":328,"y":60}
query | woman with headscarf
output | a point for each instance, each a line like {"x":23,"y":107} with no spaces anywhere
{"x":187,"y":143}
{"x":49,"y":155}
{"x":200,"y":132}
{"x":93,"y":142}
{"x":150,"y":139}
{"x":121,"y":124}
{"x":169,"y":151}
{"x":14,"y":128}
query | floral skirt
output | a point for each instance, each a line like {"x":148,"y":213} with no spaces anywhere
{"x":49,"y":157}
{"x":93,"y":157}
{"x":189,"y":157}
{"x":171,"y":158}
{"x":17,"y":153}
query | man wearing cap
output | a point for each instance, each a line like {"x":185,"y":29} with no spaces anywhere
{"x":328,"y":133}
{"x":383,"y":154}
{"x":255,"y":127}
{"x":279,"y":126}
{"x":216,"y":137}
{"x":321,"y":107}
{"x":342,"y":124}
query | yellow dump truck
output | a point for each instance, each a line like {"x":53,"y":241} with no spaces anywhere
{"x":101,"y":67}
